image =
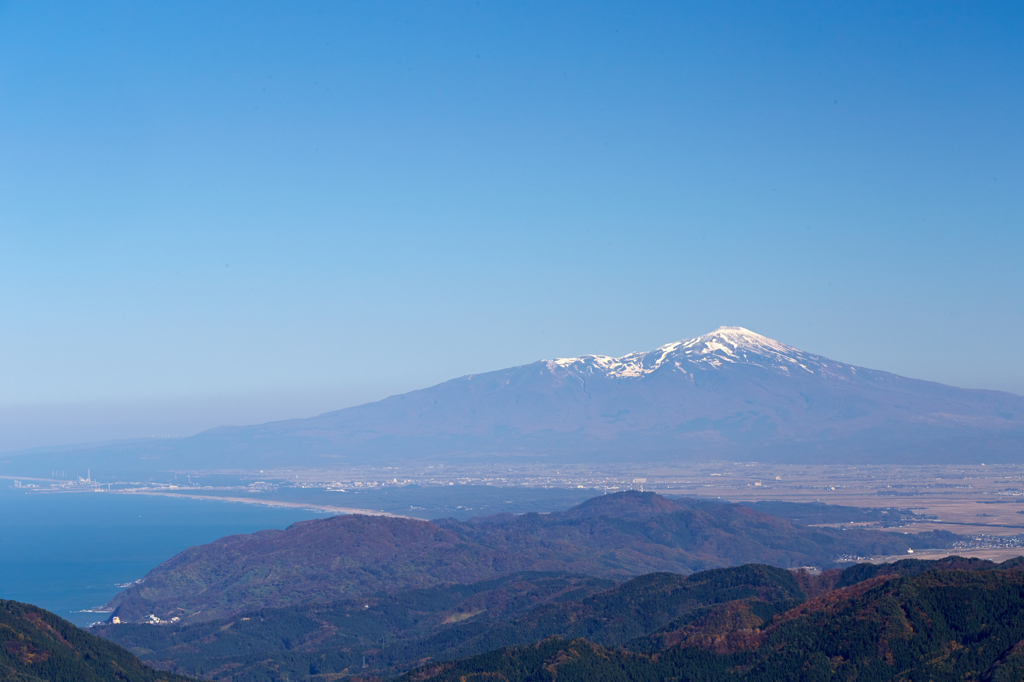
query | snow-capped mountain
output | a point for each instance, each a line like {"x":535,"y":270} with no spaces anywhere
{"x":730,"y":394}
{"x":725,"y":345}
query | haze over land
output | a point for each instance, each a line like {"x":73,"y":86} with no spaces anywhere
{"x":213,"y":216}
{"x":730,"y":394}
{"x":367,"y":340}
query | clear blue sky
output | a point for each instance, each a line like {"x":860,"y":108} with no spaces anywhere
{"x":234,"y":212}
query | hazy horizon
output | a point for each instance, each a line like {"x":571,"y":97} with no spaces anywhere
{"x":237,"y":213}
{"x":78,"y":424}
{"x":643,"y":341}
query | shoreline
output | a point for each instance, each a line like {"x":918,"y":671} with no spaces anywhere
{"x":264,"y":503}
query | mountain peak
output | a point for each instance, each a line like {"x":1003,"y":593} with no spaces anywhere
{"x":740,"y":330}
{"x":740,"y":336}
{"x":731,"y":394}
{"x":722,"y":346}
{"x":729,"y":339}
{"x":736,"y":332}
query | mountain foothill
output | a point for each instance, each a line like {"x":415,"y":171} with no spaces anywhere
{"x":630,"y":586}
{"x":953,"y":618}
{"x":615,"y":536}
{"x":627,"y":586}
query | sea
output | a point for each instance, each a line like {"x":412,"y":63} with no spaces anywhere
{"x":69,"y":553}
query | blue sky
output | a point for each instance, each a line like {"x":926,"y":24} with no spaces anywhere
{"x":234,"y":212}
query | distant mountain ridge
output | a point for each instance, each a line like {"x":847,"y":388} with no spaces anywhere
{"x":730,"y":394}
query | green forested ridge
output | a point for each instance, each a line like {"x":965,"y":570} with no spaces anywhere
{"x":615,"y":536}
{"x":395,"y":632}
{"x":37,"y":645}
{"x":398,"y":631}
{"x":934,"y":625}
{"x":912,"y":567}
{"x":388,"y":629}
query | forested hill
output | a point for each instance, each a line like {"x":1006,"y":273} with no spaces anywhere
{"x":899,"y":623}
{"x":615,"y":536}
{"x":390,"y":634}
{"x":387,"y":634}
{"x":37,"y":645}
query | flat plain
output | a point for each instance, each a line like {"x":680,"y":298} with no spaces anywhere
{"x":984,"y":502}
{"x":965,"y":499}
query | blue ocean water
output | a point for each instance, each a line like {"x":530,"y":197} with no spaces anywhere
{"x":66,"y":552}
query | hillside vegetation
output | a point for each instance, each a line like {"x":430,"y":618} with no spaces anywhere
{"x":615,"y":536}
{"x":394,"y":633}
{"x":646,"y":616}
{"x":937,"y":624}
{"x":37,"y":645}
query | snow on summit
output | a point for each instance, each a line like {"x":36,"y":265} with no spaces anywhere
{"x":725,"y":345}
{"x":730,"y":395}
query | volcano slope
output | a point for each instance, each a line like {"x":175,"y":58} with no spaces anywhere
{"x":614,"y":536}
{"x":730,"y":395}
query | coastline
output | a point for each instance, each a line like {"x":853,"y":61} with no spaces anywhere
{"x":264,"y":503}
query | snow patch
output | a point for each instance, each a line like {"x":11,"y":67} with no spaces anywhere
{"x":733,"y":345}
